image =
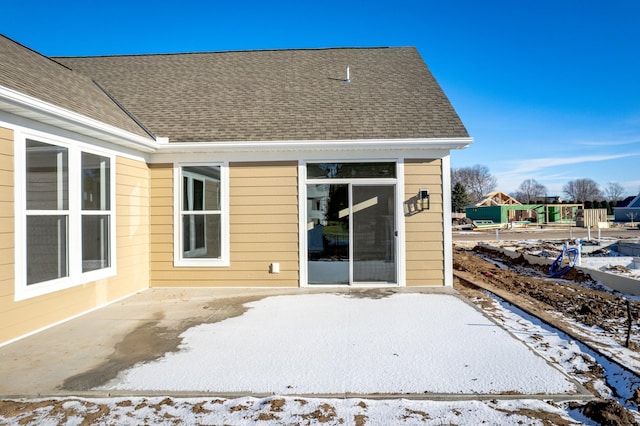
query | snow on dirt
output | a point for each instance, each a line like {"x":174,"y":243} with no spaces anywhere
{"x":278,"y":410}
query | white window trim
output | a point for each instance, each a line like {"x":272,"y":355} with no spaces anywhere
{"x":178,"y":259}
{"x":75,"y":275}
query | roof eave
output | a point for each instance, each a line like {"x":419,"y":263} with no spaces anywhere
{"x":18,"y":103}
{"x":427,"y":144}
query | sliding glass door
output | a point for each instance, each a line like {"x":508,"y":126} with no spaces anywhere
{"x":351,"y":224}
{"x":374,"y":233}
{"x":328,"y":233}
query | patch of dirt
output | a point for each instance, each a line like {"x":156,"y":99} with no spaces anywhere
{"x":608,"y":412}
{"x":576,"y":296}
{"x":325,"y":413}
{"x":360,"y":419}
{"x":548,"y":419}
{"x":371,"y":293}
{"x":416,"y":414}
{"x":276,"y":405}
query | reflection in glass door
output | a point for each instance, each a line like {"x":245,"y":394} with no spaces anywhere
{"x":328,"y":241}
{"x":351,"y":233}
{"x":374,"y":248}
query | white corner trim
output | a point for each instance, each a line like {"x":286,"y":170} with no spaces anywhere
{"x":303,"y":280}
{"x":24,"y":105}
{"x":446,"y":221}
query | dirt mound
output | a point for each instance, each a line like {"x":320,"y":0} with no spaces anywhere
{"x":608,"y":412}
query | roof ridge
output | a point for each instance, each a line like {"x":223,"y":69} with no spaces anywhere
{"x":35,"y":51}
{"x":126,"y":111}
{"x":293,"y":49}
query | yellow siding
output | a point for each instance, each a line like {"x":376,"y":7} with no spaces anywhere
{"x":424,"y":230}
{"x":132,"y":256}
{"x":263,"y":209}
{"x":7,"y":238}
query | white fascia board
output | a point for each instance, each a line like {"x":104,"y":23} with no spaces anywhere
{"x":316,"y":145}
{"x":27,"y":106}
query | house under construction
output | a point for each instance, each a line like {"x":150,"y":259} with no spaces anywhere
{"x":500,"y":208}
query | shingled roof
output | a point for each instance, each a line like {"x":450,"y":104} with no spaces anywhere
{"x":30,"y":73}
{"x":278,"y":95}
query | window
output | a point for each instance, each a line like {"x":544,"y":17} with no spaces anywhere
{"x":202,"y":216}
{"x":65,"y":238}
{"x":96,"y":205}
{"x":47,"y":196}
{"x":371,"y":170}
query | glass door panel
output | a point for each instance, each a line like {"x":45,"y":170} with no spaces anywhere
{"x":328,"y":236}
{"x":374,"y":228}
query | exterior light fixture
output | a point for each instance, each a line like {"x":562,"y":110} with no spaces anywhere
{"x":423,"y":200}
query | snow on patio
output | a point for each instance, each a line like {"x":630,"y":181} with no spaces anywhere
{"x":333,"y":344}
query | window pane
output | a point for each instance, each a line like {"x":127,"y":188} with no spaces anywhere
{"x":374,"y":233}
{"x":185,"y":193}
{"x":198,"y":194}
{"x":201,"y":188}
{"x":95,"y":182}
{"x":328,"y":234}
{"x":199,"y":231}
{"x":95,"y":242}
{"x":47,"y":254}
{"x":211,"y":195}
{"x":351,"y":170}
{"x":47,"y":176}
{"x":201,"y":236}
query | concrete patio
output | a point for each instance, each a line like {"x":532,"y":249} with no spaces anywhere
{"x":81,"y":356}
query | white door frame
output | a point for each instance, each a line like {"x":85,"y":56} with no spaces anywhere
{"x":398,"y":182}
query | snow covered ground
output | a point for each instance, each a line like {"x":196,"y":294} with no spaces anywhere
{"x":272,"y":317}
{"x":335,"y":344}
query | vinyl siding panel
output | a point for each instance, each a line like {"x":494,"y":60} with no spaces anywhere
{"x":7,"y":238}
{"x":424,"y":230}
{"x":132,"y":259}
{"x":263,"y":228}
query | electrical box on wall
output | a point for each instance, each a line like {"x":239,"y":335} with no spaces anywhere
{"x":274,"y":268}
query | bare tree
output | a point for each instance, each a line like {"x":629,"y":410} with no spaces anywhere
{"x":530,"y":191}
{"x":614,"y":191}
{"x":582,"y":190}
{"x":477,"y":180}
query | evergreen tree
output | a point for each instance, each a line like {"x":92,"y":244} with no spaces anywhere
{"x":459,"y":198}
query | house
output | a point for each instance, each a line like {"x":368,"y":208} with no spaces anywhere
{"x":249,"y":168}
{"x":500,"y":208}
{"x":628,"y":210}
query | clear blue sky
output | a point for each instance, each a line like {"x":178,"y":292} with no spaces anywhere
{"x":549,"y":89}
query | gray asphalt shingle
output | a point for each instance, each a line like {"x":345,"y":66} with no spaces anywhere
{"x":278,"y":94}
{"x":30,"y":73}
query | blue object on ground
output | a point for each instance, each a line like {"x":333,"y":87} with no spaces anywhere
{"x":556,"y":269}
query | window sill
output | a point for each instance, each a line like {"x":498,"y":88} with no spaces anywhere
{"x":201,"y":263}
{"x":24,"y":292}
